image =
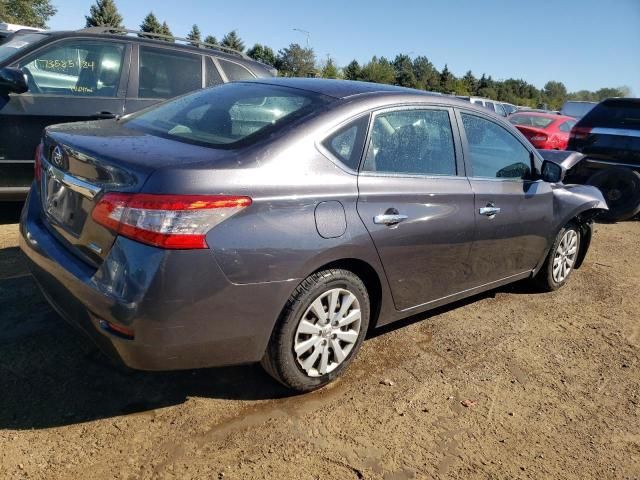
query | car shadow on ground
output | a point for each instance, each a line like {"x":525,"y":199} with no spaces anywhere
{"x":10,"y":212}
{"x":51,"y":375}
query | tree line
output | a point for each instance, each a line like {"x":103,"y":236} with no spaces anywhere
{"x":298,"y":61}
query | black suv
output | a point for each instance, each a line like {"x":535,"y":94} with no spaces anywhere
{"x":58,"y":77}
{"x":609,"y":137}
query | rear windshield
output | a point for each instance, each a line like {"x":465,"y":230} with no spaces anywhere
{"x":227,"y":116}
{"x":18,"y":43}
{"x":531,"y":120}
{"x":614,"y":114}
{"x":576,"y":109}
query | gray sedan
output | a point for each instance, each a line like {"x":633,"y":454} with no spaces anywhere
{"x":279,"y":220}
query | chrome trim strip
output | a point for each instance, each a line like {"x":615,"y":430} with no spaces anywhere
{"x":625,"y":132}
{"x":608,"y":163}
{"x":82,"y":187}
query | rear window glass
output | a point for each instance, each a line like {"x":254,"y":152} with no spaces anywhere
{"x":228,"y":116}
{"x":614,"y":114}
{"x":576,"y":109}
{"x":531,"y":120}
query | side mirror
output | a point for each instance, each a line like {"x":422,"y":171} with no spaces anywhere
{"x":12,"y":81}
{"x":552,"y":172}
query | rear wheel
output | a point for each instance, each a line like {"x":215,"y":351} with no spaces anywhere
{"x":621,"y":189}
{"x":561,"y":259}
{"x":321,"y":328}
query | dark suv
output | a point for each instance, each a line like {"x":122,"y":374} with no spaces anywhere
{"x":58,"y":77}
{"x":609,"y":137}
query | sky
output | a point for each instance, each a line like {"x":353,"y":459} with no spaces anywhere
{"x":586,"y":44}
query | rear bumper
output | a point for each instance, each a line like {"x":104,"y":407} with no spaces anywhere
{"x":183,"y":310}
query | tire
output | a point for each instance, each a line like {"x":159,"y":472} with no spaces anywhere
{"x":565,"y":251}
{"x":307,"y":356}
{"x":621,"y":189}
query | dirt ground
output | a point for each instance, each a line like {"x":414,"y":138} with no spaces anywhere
{"x":553,"y":380}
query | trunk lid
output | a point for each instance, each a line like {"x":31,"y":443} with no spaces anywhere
{"x":82,"y":161}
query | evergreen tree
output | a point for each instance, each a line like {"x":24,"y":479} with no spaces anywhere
{"x":471,"y":82}
{"x":167,"y":31}
{"x":447,"y":80}
{"x":32,"y":13}
{"x":404,"y":74}
{"x":427,"y":76}
{"x":104,"y":13}
{"x":353,"y":71}
{"x":379,"y":70}
{"x":211,"y":39}
{"x":329,"y":70}
{"x":194,"y":35}
{"x":233,"y":40}
{"x":263,"y":54}
{"x":150,"y":24}
{"x":295,"y":61}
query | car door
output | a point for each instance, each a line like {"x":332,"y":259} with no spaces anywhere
{"x":160,"y":73}
{"x":513,"y":210}
{"x":417,"y":204}
{"x":69,"y":80}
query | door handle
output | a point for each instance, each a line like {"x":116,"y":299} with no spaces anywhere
{"x":104,"y":115}
{"x":390,"y":217}
{"x":490,"y":210}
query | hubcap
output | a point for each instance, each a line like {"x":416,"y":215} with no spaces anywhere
{"x":565,"y":256}
{"x":327,"y":332}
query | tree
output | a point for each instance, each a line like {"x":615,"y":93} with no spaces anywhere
{"x":427,"y":76}
{"x":194,"y":35}
{"x":32,"y":13}
{"x":379,"y":71}
{"x":150,"y":24}
{"x":167,"y":31}
{"x":353,"y":71}
{"x":104,"y":13}
{"x":404,"y":75}
{"x":263,"y":54}
{"x":447,"y":80}
{"x":211,"y":39}
{"x":295,"y":61}
{"x":329,"y":70}
{"x":555,"y":94}
{"x":471,"y":83}
{"x":233,"y":40}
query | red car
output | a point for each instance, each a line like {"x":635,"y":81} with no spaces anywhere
{"x":544,"y":130}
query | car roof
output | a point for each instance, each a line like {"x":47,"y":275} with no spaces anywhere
{"x":341,"y":88}
{"x":239,"y":58}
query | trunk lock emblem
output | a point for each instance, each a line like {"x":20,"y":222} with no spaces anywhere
{"x":57,"y":156}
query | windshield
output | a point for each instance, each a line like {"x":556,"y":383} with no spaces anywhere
{"x":228,"y":115}
{"x":17,"y":43}
{"x":531,"y":120}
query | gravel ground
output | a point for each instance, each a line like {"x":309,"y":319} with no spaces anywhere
{"x":509,"y":384}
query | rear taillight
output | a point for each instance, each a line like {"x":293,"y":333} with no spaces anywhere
{"x":579,"y":133}
{"x":167,"y":221}
{"x":37,"y":166}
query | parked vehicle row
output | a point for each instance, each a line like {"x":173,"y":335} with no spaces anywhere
{"x":57,"y":77}
{"x":499,"y":108}
{"x":277,"y":220}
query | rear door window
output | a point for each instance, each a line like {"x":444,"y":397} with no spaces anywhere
{"x":78,"y":68}
{"x":566,"y":126}
{"x":165,"y":73}
{"x":414,"y":142}
{"x":494,"y":152}
{"x":235,"y":71}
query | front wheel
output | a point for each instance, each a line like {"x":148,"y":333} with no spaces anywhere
{"x":320,"y":330}
{"x":561,"y":260}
